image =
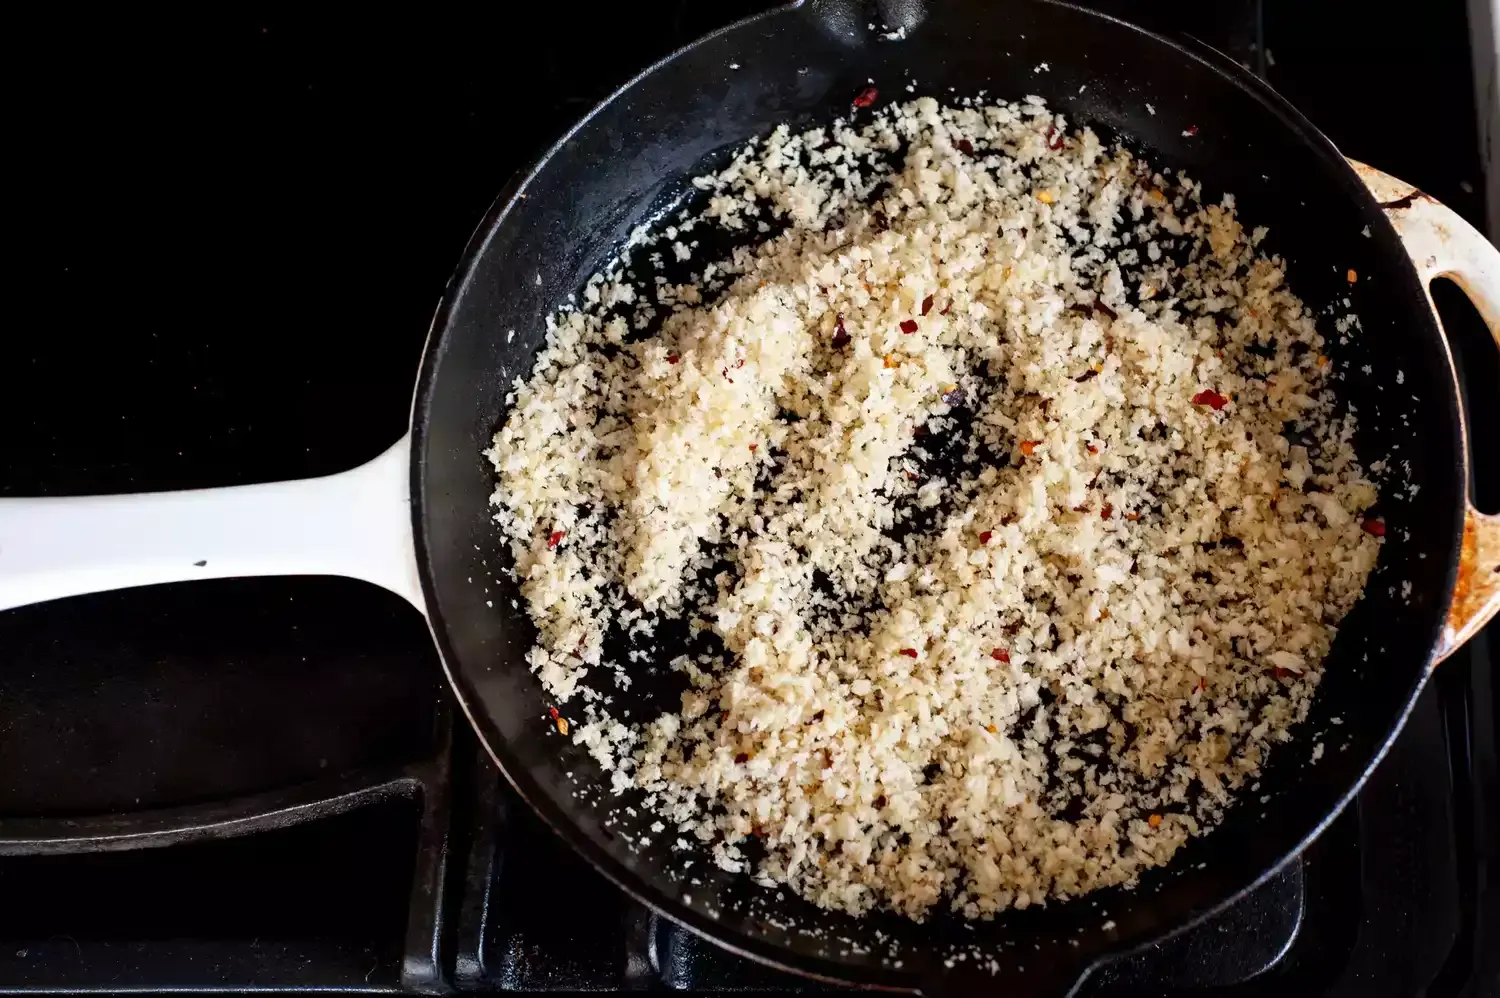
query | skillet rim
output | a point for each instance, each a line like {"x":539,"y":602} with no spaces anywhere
{"x":694,"y":919}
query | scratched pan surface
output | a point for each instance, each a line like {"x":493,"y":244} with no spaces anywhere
{"x":802,"y":64}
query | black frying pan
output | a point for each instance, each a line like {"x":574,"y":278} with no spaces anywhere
{"x":551,"y":230}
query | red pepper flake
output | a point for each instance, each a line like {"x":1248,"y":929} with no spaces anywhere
{"x":553,"y":712}
{"x":964,"y":146}
{"x":866,"y":97}
{"x":1279,"y":672}
{"x":908,"y":326}
{"x":1203,"y":682}
{"x":927,"y":304}
{"x":945,"y":308}
{"x":1210,"y":398}
{"x":1374,"y":526}
{"x":1107,"y":512}
{"x":739,"y":363}
{"x":909,"y":652}
{"x":1000,"y":655}
{"x":1191,"y":131}
{"x":840,"y":334}
{"x":1051,"y":132}
{"x":753,"y":447}
{"x":556,"y":538}
{"x":1132,"y":517}
{"x":1028,"y":447}
{"x":1091,"y":448}
{"x":984,"y":538}
{"x":673,"y":358}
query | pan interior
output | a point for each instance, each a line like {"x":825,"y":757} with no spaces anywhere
{"x":802,"y":65}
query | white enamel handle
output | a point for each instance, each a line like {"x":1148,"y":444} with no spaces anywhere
{"x":355,"y":524}
{"x":1442,"y":244}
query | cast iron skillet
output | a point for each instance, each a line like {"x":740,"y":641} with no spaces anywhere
{"x":1184,"y":106}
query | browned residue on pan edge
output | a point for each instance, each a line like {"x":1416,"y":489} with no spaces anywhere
{"x":1384,"y":187}
{"x":1405,"y":200}
{"x":1476,"y":593}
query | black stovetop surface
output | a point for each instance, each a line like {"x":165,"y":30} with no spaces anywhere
{"x":231,"y":231}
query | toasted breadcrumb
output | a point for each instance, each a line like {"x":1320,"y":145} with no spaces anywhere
{"x":971,"y":488}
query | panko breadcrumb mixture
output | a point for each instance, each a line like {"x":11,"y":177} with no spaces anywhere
{"x":995,"y":481}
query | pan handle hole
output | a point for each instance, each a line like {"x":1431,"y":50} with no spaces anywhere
{"x":1478,"y":361}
